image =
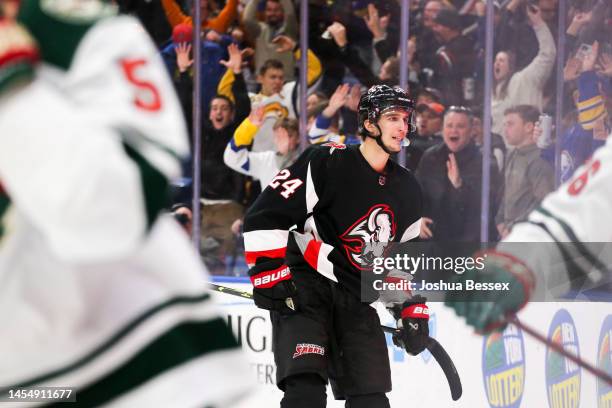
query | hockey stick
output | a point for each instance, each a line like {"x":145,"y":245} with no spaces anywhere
{"x":559,"y":349}
{"x":230,"y":291}
{"x":443,"y":360}
{"x":435,"y":348}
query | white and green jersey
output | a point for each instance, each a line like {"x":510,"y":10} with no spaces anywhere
{"x":573,"y":225}
{"x":97,"y":290}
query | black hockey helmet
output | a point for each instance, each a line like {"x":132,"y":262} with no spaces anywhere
{"x":379,"y":99}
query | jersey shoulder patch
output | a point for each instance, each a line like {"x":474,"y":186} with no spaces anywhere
{"x":333,"y":146}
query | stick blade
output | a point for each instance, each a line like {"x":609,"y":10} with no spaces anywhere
{"x":449,"y":369}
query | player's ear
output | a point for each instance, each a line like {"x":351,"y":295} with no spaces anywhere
{"x":370,"y":127}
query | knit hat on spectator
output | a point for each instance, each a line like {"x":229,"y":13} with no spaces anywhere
{"x":435,"y":108}
{"x":449,"y":18}
{"x":182,"y":33}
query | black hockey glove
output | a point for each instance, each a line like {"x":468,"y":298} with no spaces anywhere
{"x":413,"y":319}
{"x":273,"y":287}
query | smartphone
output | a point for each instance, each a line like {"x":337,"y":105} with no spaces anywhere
{"x":583,"y":51}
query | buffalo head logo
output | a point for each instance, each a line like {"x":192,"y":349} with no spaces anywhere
{"x":368,"y":237}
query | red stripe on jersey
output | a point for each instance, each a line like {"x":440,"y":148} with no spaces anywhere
{"x":311,"y":255}
{"x":418,"y":311}
{"x":268,"y":279}
{"x":252,"y":256}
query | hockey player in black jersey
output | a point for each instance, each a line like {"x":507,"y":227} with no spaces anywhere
{"x":304,"y":240}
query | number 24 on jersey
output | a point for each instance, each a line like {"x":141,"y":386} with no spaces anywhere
{"x":289,"y":186}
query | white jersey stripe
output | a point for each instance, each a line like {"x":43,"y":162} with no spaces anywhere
{"x":265,"y":240}
{"x":324,"y":265}
{"x":412,"y":231}
{"x":311,"y":195}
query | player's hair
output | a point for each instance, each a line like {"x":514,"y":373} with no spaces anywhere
{"x":528,"y":113}
{"x":292,"y":126}
{"x":225,"y":98}
{"x":270,"y":64}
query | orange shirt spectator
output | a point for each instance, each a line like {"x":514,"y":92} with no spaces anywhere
{"x":219,"y":23}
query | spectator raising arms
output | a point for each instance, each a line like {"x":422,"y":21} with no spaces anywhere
{"x":178,"y":58}
{"x":325,"y":127}
{"x":263,"y":165}
{"x":219,"y":23}
{"x":279,"y":98}
{"x":279,"y":19}
{"x":524,"y":87}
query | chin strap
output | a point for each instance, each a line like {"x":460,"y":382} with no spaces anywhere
{"x":379,"y":140}
{"x":382,"y":145}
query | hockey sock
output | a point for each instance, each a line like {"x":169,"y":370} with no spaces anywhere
{"x":377,"y":400}
{"x":304,"y":391}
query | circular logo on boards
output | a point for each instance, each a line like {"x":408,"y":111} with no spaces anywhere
{"x":503,"y":367}
{"x":563,"y":375}
{"x":604,"y":362}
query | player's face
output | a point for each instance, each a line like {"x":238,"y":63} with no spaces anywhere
{"x":272,"y":81}
{"x":501,"y":67}
{"x":220,"y":113}
{"x":394,"y":126}
{"x":457,"y":131}
{"x":515,"y":130}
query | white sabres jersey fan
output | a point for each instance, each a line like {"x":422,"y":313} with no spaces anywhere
{"x":97,"y":290}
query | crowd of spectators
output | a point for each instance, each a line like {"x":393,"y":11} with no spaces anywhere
{"x":250,"y":99}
